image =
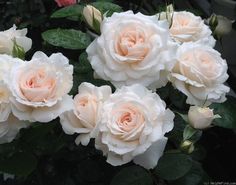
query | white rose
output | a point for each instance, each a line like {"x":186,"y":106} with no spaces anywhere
{"x":132,"y":48}
{"x":201,"y":117}
{"x":86,"y":112}
{"x":199,"y":73}
{"x":134,"y":121}
{"x":186,"y":27}
{"x":7,"y":38}
{"x":6,"y":63}
{"x":10,"y":128}
{"x":5,"y":108}
{"x":40,"y":87}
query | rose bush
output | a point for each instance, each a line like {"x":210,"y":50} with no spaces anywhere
{"x":82,"y":123}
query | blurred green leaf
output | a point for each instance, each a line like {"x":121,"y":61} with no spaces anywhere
{"x":18,"y":51}
{"x":70,"y":11}
{"x":20,"y":164}
{"x":83,"y":65}
{"x":172,"y":166}
{"x":67,"y":38}
{"x":107,"y":7}
{"x":133,"y":175}
{"x":193,"y":177}
{"x":189,"y":132}
{"x":227,"y":111}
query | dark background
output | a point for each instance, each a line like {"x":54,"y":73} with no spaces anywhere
{"x":219,"y":143}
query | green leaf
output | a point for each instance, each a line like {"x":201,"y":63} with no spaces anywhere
{"x":67,"y":38}
{"x":172,"y":166}
{"x":189,"y":132}
{"x":193,"y":177}
{"x":227,"y":111}
{"x":20,"y":164}
{"x":18,"y":51}
{"x":133,"y":175}
{"x":107,"y":7}
{"x":83,"y":65}
{"x":70,"y":11}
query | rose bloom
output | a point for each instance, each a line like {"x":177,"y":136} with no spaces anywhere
{"x":132,"y":48}
{"x":86,"y":112}
{"x":5,"y":108}
{"x":6,"y":63}
{"x":7,"y":37}
{"x":199,"y":73}
{"x":40,"y":87}
{"x":10,"y":128}
{"x":134,"y":121}
{"x":201,"y":117}
{"x":61,"y":3}
{"x":186,"y":27}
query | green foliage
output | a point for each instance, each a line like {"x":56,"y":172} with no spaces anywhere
{"x":172,"y":166}
{"x":20,"y":164}
{"x":133,"y":175}
{"x":67,"y":38}
{"x":18,"y":51}
{"x":83,"y":72}
{"x":191,"y":134}
{"x":195,"y":176}
{"x":107,"y":8}
{"x":74,"y":11}
{"x":227,"y":111}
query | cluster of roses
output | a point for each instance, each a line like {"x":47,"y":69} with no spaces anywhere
{"x":134,"y":52}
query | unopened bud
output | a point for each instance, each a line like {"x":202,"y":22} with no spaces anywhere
{"x":93,"y":17}
{"x":187,"y":146}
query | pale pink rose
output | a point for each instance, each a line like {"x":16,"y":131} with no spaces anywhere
{"x":186,"y":27}
{"x":40,"y":87}
{"x":134,"y":121}
{"x":132,"y":48}
{"x":86,"y":112}
{"x":199,"y":73}
{"x":61,"y":3}
{"x":6,"y":63}
{"x":5,"y":108}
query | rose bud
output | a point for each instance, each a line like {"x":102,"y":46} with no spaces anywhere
{"x":187,"y":146}
{"x":201,"y":117}
{"x":167,"y":15}
{"x":93,"y":17}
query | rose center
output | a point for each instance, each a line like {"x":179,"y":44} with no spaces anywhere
{"x":129,"y":118}
{"x":38,"y":85}
{"x":132,"y":44}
